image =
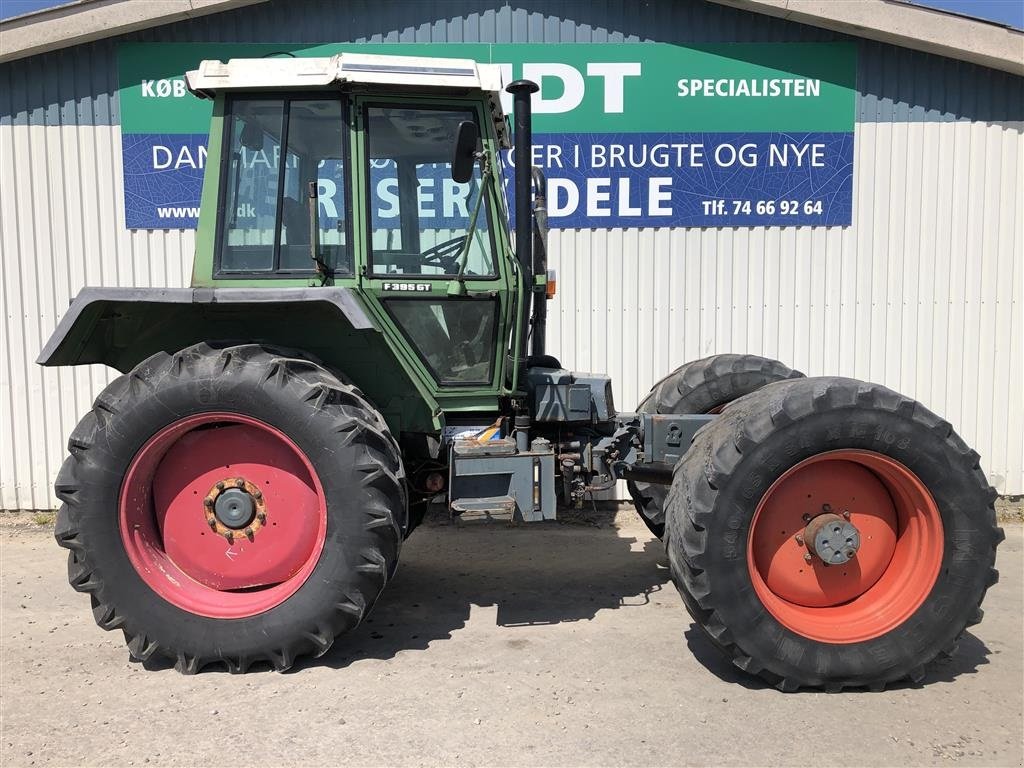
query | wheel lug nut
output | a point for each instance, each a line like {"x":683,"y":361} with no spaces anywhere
{"x":262,"y":517}
{"x":258,"y":495}
{"x":229,"y":536}
{"x":846,"y":514}
{"x":220,"y":486}
{"x":212,"y":522}
{"x":807,"y":518}
{"x":826,"y":507}
{"x":239,"y":483}
{"x":799,"y":539}
{"x":807,"y":557}
{"x":248,"y":532}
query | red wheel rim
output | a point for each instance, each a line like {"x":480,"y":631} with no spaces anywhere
{"x":168,"y":515}
{"x":901,"y":547}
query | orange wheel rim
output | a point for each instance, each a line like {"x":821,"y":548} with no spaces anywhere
{"x":893,"y":540}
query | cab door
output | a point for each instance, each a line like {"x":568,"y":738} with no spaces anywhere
{"x":434,"y":265}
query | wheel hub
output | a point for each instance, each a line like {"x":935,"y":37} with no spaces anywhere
{"x":235,"y":505}
{"x":832,"y":538}
{"x":235,"y":508}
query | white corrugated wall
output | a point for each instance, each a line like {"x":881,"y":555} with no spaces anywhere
{"x":61,"y":228}
{"x":923,"y":293}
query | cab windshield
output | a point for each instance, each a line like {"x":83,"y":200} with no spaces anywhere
{"x":423,"y":223}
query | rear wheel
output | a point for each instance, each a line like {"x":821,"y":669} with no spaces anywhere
{"x":700,"y":386}
{"x":831,"y":533}
{"x":230,"y":505}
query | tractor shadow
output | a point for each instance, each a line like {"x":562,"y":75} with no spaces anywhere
{"x":544,"y":573}
{"x":536,"y":574}
{"x":971,"y":654}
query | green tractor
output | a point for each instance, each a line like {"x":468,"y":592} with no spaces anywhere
{"x":363,"y":336}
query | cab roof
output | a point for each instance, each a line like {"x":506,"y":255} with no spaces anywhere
{"x":410,"y":75}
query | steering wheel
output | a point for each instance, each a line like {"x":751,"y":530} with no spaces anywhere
{"x":445,"y":255}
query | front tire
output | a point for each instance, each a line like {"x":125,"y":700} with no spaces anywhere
{"x":231,"y":505}
{"x":700,"y":386}
{"x":906,"y":572}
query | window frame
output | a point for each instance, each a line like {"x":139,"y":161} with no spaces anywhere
{"x":276,"y":273}
{"x":486,"y":205}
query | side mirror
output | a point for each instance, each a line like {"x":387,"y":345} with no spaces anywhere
{"x":464,"y":160}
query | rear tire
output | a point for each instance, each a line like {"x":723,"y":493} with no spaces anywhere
{"x":700,"y":386}
{"x":753,"y":479}
{"x":329,"y":518}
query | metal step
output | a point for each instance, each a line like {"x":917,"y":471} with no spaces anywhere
{"x":505,"y":446}
{"x":485,"y":508}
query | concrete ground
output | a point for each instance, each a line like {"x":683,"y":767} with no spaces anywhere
{"x":551,"y":645}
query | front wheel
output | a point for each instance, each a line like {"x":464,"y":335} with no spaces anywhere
{"x":831,"y":533}
{"x":230,"y":505}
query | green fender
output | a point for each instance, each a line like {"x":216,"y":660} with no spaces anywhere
{"x":121,"y":327}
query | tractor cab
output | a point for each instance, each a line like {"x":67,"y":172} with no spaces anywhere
{"x":381,"y":175}
{"x":353,"y":207}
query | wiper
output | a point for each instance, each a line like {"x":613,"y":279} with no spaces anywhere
{"x":457,"y":286}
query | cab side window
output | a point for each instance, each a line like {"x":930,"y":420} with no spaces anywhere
{"x":272,"y":224}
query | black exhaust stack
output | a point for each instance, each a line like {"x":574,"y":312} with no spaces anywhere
{"x":522,"y":158}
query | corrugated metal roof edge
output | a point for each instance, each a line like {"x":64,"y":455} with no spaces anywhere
{"x":69,"y":24}
{"x":902,"y":24}
{"x":898,"y":23}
